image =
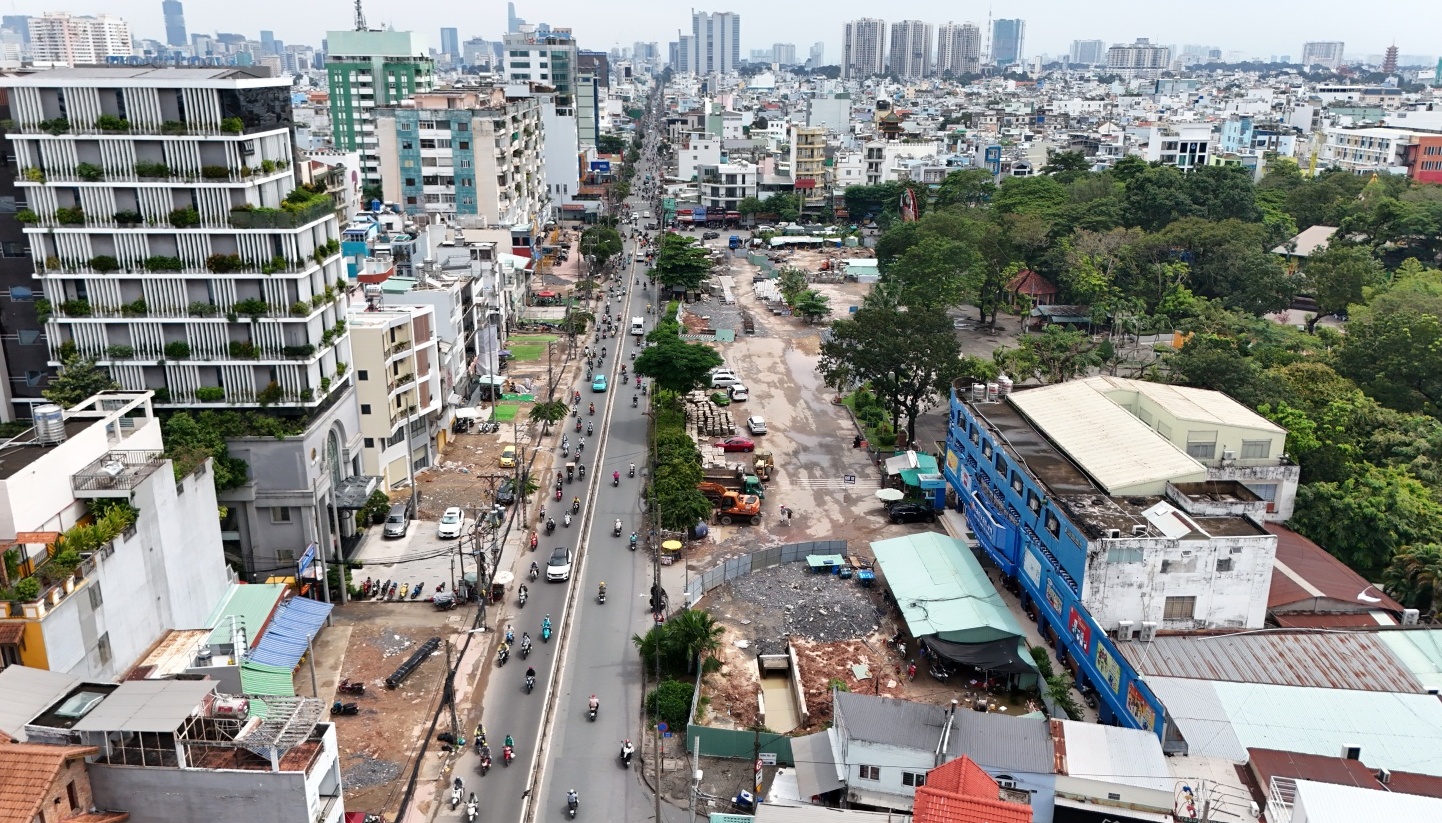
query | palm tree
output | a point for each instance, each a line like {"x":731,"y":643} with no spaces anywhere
{"x":1414,"y":577}
{"x":693,"y":634}
{"x":551,"y":411}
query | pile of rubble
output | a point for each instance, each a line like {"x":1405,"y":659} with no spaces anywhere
{"x":820,"y":607}
{"x":705,"y":419}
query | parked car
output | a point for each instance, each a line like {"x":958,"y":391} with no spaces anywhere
{"x":398,"y":520}
{"x":740,"y":393}
{"x":558,"y":568}
{"x":910,"y":511}
{"x":506,"y":493}
{"x":756,"y":424}
{"x":724,"y":380}
{"x":508,"y":457}
{"x":711,"y":235}
{"x":735,"y":444}
{"x":452,"y":521}
{"x":599,"y":384}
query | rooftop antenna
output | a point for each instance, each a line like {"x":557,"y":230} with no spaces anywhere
{"x":360,"y":17}
{"x":985,"y":58}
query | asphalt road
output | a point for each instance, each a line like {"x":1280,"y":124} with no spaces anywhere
{"x":593,"y":640}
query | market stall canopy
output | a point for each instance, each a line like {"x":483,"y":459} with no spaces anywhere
{"x":889,"y":495}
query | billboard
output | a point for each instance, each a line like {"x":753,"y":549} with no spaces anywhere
{"x":601,"y":166}
{"x":698,"y":214}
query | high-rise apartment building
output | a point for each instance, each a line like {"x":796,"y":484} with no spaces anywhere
{"x":64,"y":39}
{"x":958,"y":49}
{"x":513,"y":23}
{"x":396,"y":347}
{"x":18,"y":23}
{"x":451,"y":43}
{"x":174,"y":14}
{"x":1326,"y":53}
{"x":715,"y":42}
{"x":910,"y":54}
{"x":170,"y":240}
{"x":1008,"y":38}
{"x":366,"y":70}
{"x":784,"y":54}
{"x":1139,"y":59}
{"x":1087,"y":52}
{"x":817,"y":56}
{"x":863,"y":48}
{"x":548,"y":59}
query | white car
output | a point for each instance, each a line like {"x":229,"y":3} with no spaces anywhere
{"x":452,"y":521}
{"x":739,"y":393}
{"x":558,"y":568}
{"x":724,"y":380}
{"x":756,"y":424}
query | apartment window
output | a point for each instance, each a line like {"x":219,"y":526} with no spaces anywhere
{"x":1266,"y":491}
{"x":428,"y":144}
{"x":1179,"y":608}
{"x":461,"y":127}
{"x":280,"y":514}
{"x":1052,"y":524}
{"x":913,"y":778}
{"x":102,"y":648}
{"x":14,"y":248}
{"x":408,"y":145}
{"x":1033,"y":502}
{"x":29,"y":337}
{"x":1256,"y":449}
{"x":362,"y":374}
{"x":463,"y":145}
{"x":21,"y":293}
{"x":370,"y":442}
{"x":1224,"y":565}
{"x":285,"y":556}
{"x":1001,"y":464}
{"x":1202,"y":444}
{"x":1016,"y":485}
{"x":986,"y":449}
{"x":365,"y":408}
{"x":72,"y":795}
{"x":410,"y":181}
{"x":33,"y":378}
{"x":870,"y":772}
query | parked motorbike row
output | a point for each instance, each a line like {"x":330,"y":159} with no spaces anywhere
{"x":390,"y":590}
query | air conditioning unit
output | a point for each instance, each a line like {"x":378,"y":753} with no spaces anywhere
{"x":1409,"y":617}
{"x":1149,"y":631}
{"x":1228,"y":454}
{"x":1384,"y":776}
{"x":1113,"y":534}
{"x":1138,"y":530}
{"x":1124,"y":630}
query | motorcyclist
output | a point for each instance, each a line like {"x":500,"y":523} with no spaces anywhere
{"x":593,"y":408}
{"x":581,"y":470}
{"x":480,"y":735}
{"x":546,"y":623}
{"x":535,"y":569}
{"x":510,"y":634}
{"x":590,"y":429}
{"x":550,"y":527}
{"x":593,"y":704}
{"x":633,"y":540}
{"x":631,"y":470}
{"x":510,"y":744}
{"x":530,"y":672}
{"x":635,"y":400}
{"x":575,"y":504}
{"x":603,"y":588}
{"x":572,"y":799}
{"x":526,"y":641}
{"x":616,"y":476}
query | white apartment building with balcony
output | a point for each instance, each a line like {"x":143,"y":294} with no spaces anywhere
{"x":1184,"y":145}
{"x":60,"y":38}
{"x":808,"y":163}
{"x":1365,"y":151}
{"x":95,"y":614}
{"x":1139,"y":59}
{"x":723,"y":187}
{"x":464,"y":151}
{"x":170,"y":238}
{"x":398,"y":386}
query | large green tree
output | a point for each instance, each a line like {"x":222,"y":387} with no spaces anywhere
{"x":676,"y":365}
{"x":972,"y":188}
{"x":1365,"y":519}
{"x":907,"y":357}
{"x":1414,"y":577}
{"x":1338,"y":277}
{"x":601,"y":243}
{"x":78,"y":380}
{"x":682,"y":262}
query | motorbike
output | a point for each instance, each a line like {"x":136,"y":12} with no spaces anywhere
{"x":566,"y":520}
{"x":550,"y":527}
{"x":633,"y":541}
{"x":471,"y":809}
{"x":545,"y":632}
{"x":616,"y":528}
{"x":405,"y":590}
{"x":590,"y":430}
{"x":578,"y":424}
{"x":616,"y":479}
{"x":457,"y":792}
{"x":635,"y":401}
{"x":534,"y":541}
{"x":566,"y":450}
{"x":522,"y":597}
{"x":416,"y":590}
{"x":575,"y":507}
{"x":502,"y":655}
{"x":485,"y":764}
{"x":380,"y":591}
{"x":626,"y":751}
{"x":631,"y":472}
{"x":352,"y":687}
{"x":571,"y":803}
{"x":558,"y":494}
{"x":530,"y":683}
{"x":1089,"y":695}
{"x":535,"y":571}
{"x":593,"y":410}
{"x":366,"y":587}
{"x":507,"y":755}
{"x":525,"y":649}
{"x":591,"y":711}
{"x":338,"y":708}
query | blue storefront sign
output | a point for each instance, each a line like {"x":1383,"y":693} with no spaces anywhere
{"x":601,"y":166}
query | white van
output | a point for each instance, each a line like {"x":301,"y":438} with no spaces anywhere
{"x":638,"y":327}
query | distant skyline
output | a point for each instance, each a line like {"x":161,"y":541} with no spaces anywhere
{"x":1051,"y":25}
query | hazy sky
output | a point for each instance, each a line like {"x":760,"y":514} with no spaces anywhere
{"x":1261,"y":29}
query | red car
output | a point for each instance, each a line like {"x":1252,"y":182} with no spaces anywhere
{"x":735,"y":444}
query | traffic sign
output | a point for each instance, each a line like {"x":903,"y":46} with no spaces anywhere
{"x":665,"y":734}
{"x":848,"y":478}
{"x":662,"y":727}
{"x":767,"y":758}
{"x":306,"y":559}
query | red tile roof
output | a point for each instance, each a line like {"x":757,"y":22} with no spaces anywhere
{"x":1031,"y":283}
{"x":962,"y":792}
{"x":30,"y":769}
{"x":1306,"y":578}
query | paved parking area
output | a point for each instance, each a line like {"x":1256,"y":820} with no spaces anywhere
{"x":418,"y":558}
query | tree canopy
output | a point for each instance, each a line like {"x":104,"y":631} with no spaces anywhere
{"x":682,"y":262}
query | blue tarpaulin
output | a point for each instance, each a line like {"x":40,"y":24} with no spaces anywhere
{"x":289,"y":633}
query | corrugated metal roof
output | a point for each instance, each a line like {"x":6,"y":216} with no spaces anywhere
{"x":28,"y":692}
{"x":1321,"y":659}
{"x":146,"y":706}
{"x":942,"y":589}
{"x":996,"y":741}
{"x":1331,"y":803}
{"x":258,"y":678}
{"x":1220,"y":719}
{"x":1197,"y":405}
{"x":1120,"y":452}
{"x":252,"y":603}
{"x":1132,"y":757}
{"x":288,"y":637}
{"x":1420,"y":651}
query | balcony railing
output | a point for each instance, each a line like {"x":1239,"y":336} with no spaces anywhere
{"x":115,"y":474}
{"x":280,"y":219}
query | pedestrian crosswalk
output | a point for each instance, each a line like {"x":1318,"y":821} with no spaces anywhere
{"x":862,"y":483}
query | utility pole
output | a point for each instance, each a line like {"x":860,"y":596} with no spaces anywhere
{"x":451,"y":690}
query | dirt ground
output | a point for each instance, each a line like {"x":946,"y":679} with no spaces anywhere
{"x":378,"y":746}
